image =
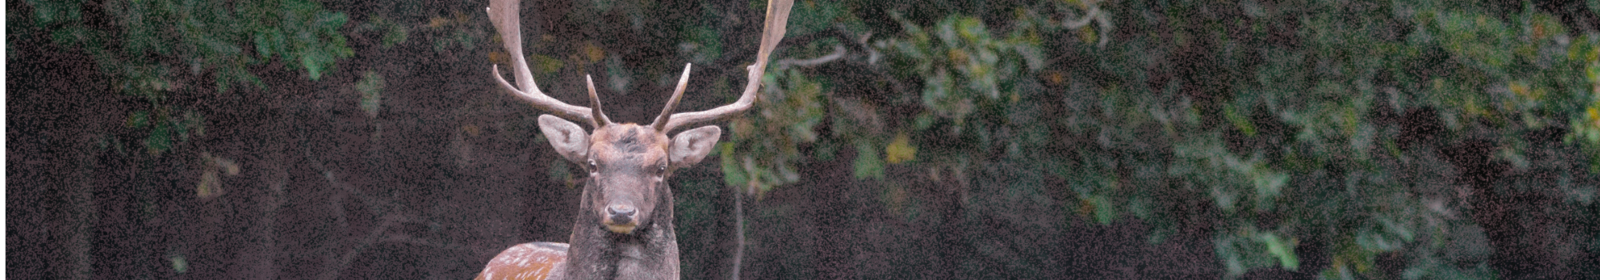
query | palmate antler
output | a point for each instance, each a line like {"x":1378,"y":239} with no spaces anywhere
{"x":503,"y":14}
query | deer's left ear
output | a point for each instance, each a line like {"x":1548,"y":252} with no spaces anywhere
{"x":689,"y":147}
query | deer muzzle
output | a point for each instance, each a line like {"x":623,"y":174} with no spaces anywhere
{"x":621,"y":218}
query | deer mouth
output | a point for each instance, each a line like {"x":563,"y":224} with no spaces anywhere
{"x":621,"y":229}
{"x":620,"y":224}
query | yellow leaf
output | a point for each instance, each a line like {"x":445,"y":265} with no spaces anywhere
{"x":958,"y":56}
{"x":1525,"y":91}
{"x":1054,"y":78}
{"x":210,"y":185}
{"x":1594,"y":115}
{"x":499,"y":57}
{"x":1085,"y":207}
{"x":900,"y":150}
{"x":593,"y":52}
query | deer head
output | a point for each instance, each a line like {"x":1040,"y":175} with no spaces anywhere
{"x":624,"y":227}
{"x":627,"y":163}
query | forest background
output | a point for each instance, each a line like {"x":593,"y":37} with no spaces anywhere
{"x":940,"y":139}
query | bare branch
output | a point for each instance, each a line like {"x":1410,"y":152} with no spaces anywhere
{"x":838,"y":53}
{"x":1087,"y":17}
{"x":1094,"y":15}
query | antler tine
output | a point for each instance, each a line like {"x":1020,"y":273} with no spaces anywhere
{"x":672,"y":103}
{"x":600,"y":119}
{"x":503,"y":13}
{"x":777,"y":19}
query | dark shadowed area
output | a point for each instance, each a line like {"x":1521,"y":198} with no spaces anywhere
{"x":1010,"y":139}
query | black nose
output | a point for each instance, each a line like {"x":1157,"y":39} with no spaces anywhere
{"x":621,"y":214}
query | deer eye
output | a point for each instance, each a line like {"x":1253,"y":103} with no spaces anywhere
{"x":661,"y":169}
{"x":592,"y":166}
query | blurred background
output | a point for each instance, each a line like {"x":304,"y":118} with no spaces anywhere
{"x":955,"y":139}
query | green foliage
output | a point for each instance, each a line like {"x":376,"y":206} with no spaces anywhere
{"x":1271,"y":124}
{"x":792,"y":103}
{"x":393,"y":32}
{"x":1284,"y":118}
{"x":201,"y":36}
{"x":153,"y":49}
{"x":963,"y":65}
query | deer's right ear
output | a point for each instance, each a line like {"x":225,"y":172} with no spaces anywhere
{"x":568,"y":138}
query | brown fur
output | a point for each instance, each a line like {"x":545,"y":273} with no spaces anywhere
{"x":627,"y":158}
{"x":628,"y":144}
{"x":627,"y":171}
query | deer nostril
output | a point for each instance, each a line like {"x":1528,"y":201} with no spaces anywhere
{"x":620,"y":214}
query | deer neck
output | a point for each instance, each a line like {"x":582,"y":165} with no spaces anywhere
{"x":649,"y":253}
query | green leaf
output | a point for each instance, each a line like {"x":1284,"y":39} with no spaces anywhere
{"x":706,"y":43}
{"x":1225,"y":199}
{"x":1282,"y":249}
{"x":396,"y":34}
{"x":264,"y":46}
{"x":1104,"y":211}
{"x":924,"y":121}
{"x":1402,"y":229}
{"x":1238,"y":120}
{"x":138,"y":119}
{"x":868,"y":163}
{"x":179,"y":264}
{"x":160,"y":139}
{"x":731,"y":173}
{"x":313,"y":66}
{"x":809,"y":17}
{"x":51,"y":12}
{"x":544,"y":64}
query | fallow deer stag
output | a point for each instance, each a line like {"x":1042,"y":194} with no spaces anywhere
{"x":624,"y":223}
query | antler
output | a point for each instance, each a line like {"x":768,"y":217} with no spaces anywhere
{"x":600,"y":118}
{"x":777,"y":18}
{"x":503,"y":13}
{"x":666,"y":113}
